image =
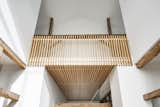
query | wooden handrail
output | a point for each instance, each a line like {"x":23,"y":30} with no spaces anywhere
{"x":152,"y":53}
{"x":152,"y":95}
{"x":9,"y":52}
{"x":7,"y":94}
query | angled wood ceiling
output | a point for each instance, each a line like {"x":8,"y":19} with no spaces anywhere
{"x":79,"y":82}
{"x":79,"y":63}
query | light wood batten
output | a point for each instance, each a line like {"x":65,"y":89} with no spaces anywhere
{"x":10,"y":95}
{"x":152,"y":95}
{"x":8,"y":51}
{"x":152,"y":53}
{"x":94,"y":49}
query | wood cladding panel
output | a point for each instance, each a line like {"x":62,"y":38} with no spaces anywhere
{"x":83,"y":105}
{"x":79,"y":82}
{"x":79,"y":50}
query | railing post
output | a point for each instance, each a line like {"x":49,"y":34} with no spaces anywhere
{"x":51,"y":26}
{"x":109,"y":26}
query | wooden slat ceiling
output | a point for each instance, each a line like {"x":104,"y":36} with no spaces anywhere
{"x":80,"y":50}
{"x":79,"y":82}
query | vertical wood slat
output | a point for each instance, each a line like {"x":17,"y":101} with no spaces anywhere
{"x":79,"y":79}
{"x":49,"y":50}
{"x":11,"y":54}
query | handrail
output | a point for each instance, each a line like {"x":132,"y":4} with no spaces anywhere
{"x":152,"y":95}
{"x":149,"y":55}
{"x":11,"y":54}
{"x":7,"y":94}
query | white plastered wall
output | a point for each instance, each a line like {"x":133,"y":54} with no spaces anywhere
{"x":50,"y":94}
{"x":34,"y":85}
{"x":80,"y":16}
{"x":134,"y":83}
{"x":141,"y":21}
{"x":18,"y":20}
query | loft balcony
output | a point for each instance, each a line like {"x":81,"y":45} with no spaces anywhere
{"x":79,"y":63}
{"x":99,"y":49}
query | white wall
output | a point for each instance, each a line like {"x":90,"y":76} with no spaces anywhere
{"x":11,"y":78}
{"x":115,"y":89}
{"x":80,"y":16}
{"x":51,"y":93}
{"x":18,"y":20}
{"x":141,"y":20}
{"x":134,"y":83}
{"x":27,"y":83}
{"x":34,"y":85}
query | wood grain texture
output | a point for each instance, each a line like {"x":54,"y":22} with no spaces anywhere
{"x":83,"y":105}
{"x":152,"y":53}
{"x":7,"y":94}
{"x":152,"y":95}
{"x":9,"y":52}
{"x":79,"y":50}
{"x":79,"y":82}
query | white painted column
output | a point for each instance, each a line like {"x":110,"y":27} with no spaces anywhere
{"x":115,"y":89}
{"x":32,"y":87}
{"x":128,"y":84}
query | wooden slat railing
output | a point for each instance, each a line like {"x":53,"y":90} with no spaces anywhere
{"x":79,"y":50}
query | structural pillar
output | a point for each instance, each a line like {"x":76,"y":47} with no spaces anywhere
{"x":128,"y":84}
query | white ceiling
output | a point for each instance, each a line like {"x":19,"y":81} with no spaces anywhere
{"x":80,"y":16}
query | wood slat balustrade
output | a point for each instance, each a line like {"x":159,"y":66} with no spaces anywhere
{"x":100,"y":49}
